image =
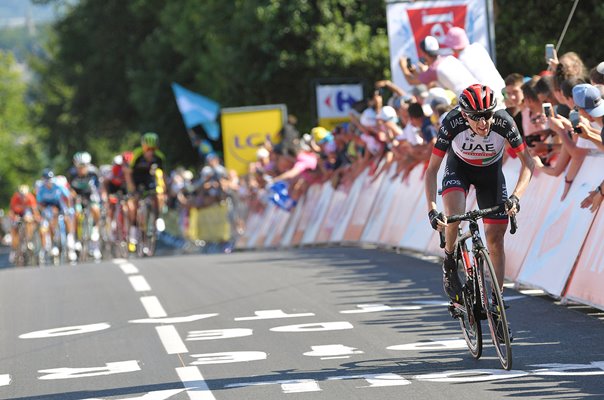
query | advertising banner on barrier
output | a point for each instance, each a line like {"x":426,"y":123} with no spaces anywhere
{"x":410,"y":22}
{"x":246,"y":128}
{"x":556,"y":247}
{"x":292,"y":223}
{"x":312,"y":197}
{"x":334,"y":102}
{"x":587,"y":280}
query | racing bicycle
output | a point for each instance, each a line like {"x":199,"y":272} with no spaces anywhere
{"x":481,"y":297}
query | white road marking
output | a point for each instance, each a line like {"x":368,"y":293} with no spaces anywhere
{"x":194,"y":382}
{"x":470,"y":375}
{"x":119,"y":261}
{"x":153,"y":307}
{"x":128,"y":268}
{"x":229,"y":357}
{"x":331,"y":351}
{"x":444,"y":344}
{"x":375,"y":380}
{"x":314,"y":327}
{"x":171,"y":339}
{"x":219,"y":334}
{"x":273,"y":314}
{"x":65,"y":331}
{"x":533,"y":292}
{"x":5,"y":380}
{"x":108,"y":369}
{"x":139,"y":283}
{"x":154,"y":395}
{"x":369,"y":308}
{"x":172,"y":320}
{"x":301,"y":386}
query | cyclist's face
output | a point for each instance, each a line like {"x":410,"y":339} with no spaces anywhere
{"x":481,"y":127}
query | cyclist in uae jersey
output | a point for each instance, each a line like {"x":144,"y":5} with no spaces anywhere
{"x":473,"y":136}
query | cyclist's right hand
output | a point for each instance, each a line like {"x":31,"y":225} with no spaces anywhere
{"x":438,"y":221}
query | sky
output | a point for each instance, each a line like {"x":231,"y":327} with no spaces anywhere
{"x":14,"y":12}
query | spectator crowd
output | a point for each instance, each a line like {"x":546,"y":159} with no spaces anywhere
{"x":559,"y":112}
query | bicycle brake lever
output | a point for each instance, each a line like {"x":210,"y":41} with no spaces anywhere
{"x":442,"y":239}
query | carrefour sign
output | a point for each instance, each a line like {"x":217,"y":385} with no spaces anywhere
{"x":335,"y":101}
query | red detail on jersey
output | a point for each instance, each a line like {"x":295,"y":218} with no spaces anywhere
{"x":438,"y":152}
{"x":520,"y":148}
{"x":495,"y":221}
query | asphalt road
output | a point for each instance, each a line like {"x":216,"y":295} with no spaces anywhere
{"x":337,"y":323}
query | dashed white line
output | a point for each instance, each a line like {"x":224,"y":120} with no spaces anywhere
{"x":139,"y":283}
{"x":193,"y":380}
{"x":5,"y":380}
{"x":128,"y":268}
{"x":171,"y":339}
{"x":153,"y":307}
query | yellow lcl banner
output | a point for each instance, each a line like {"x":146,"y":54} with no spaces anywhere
{"x":244,"y":129}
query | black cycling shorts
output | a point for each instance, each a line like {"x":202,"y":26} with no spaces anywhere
{"x":488,"y":181}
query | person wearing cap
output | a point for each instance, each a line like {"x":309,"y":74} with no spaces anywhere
{"x":447,"y":71}
{"x":476,"y":59}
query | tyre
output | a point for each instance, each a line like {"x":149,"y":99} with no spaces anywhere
{"x":468,"y":321}
{"x":495,"y":312}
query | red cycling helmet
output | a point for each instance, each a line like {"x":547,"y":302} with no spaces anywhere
{"x":477,"y":99}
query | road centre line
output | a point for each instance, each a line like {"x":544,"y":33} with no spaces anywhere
{"x":128,"y":268}
{"x":193,"y":380}
{"x":153,"y":307}
{"x":139,"y":283}
{"x":171,"y":339}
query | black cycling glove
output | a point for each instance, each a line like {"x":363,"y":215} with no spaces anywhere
{"x":513,"y":200}
{"x":434,"y":216}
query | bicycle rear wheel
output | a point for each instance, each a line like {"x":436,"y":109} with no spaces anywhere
{"x":469,"y":323}
{"x":498,"y":322}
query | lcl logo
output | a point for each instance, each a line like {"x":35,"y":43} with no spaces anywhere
{"x":251,"y":140}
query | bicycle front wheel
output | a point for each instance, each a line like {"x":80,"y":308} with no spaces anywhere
{"x":493,"y":302}
{"x":469,"y":323}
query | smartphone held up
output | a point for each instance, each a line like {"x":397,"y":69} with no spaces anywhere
{"x":574,"y":120}
{"x":550,"y":52}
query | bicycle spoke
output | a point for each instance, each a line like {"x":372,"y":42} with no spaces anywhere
{"x":495,"y":310}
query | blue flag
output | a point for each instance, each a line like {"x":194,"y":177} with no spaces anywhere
{"x":197,"y":110}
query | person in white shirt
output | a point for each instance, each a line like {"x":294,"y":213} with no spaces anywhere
{"x":477,"y":60}
{"x":447,"y":71}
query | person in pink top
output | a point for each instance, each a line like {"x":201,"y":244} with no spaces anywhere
{"x":306,"y":162}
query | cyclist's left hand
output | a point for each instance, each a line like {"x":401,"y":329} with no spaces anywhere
{"x":512,"y":205}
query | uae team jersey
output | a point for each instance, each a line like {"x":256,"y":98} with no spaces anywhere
{"x":455,"y":134}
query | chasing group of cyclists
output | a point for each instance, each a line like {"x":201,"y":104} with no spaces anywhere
{"x":88,"y":210}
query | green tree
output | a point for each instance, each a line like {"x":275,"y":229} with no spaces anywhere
{"x":21,"y":158}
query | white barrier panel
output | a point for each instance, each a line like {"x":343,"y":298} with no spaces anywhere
{"x":335,"y":212}
{"x":292,"y":223}
{"x":362,"y":209}
{"x":279,"y":223}
{"x":534,"y":205}
{"x":264,"y":226}
{"x":308,"y":208}
{"x":557,"y":245}
{"x":317,"y":215}
{"x":381,"y":207}
{"x":252,"y":227}
{"x":587,"y":280}
{"x":350,"y":204}
{"x":408,"y":193}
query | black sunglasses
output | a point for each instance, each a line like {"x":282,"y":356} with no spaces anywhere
{"x":487,"y":115}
